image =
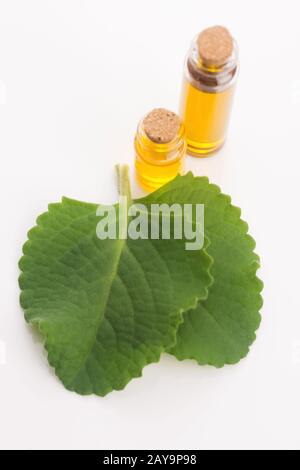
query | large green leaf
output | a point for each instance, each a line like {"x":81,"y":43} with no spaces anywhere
{"x":221,"y":329}
{"x":106,"y":308}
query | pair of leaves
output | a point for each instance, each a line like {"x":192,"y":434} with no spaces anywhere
{"x":106,"y":308}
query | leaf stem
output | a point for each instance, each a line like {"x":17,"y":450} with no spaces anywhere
{"x":124,"y":181}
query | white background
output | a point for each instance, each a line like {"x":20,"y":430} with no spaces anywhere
{"x":75,"y":78}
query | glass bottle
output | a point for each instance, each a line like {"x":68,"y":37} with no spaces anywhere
{"x":207,"y":92}
{"x":160,"y":148}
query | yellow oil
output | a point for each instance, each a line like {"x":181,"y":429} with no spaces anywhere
{"x":157,"y":164}
{"x":206,"y":117}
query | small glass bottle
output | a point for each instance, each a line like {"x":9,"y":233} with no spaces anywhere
{"x":160,"y":148}
{"x":208,"y":87}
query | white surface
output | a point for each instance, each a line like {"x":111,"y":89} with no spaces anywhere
{"x":75,"y":78}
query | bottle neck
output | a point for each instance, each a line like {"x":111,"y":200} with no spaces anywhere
{"x":209,"y":78}
{"x":160,"y":153}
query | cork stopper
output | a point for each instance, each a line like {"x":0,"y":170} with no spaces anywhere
{"x":161,"y":126}
{"x":215,"y":46}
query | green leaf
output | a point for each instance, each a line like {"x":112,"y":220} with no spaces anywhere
{"x":105,"y":308}
{"x":222,"y":328}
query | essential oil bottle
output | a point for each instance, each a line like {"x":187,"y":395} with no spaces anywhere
{"x":208,"y":87}
{"x":160,"y":148}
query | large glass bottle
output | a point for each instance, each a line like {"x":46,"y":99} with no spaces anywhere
{"x":208,"y":87}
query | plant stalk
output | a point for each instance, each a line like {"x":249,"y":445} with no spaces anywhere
{"x":124,"y":182}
